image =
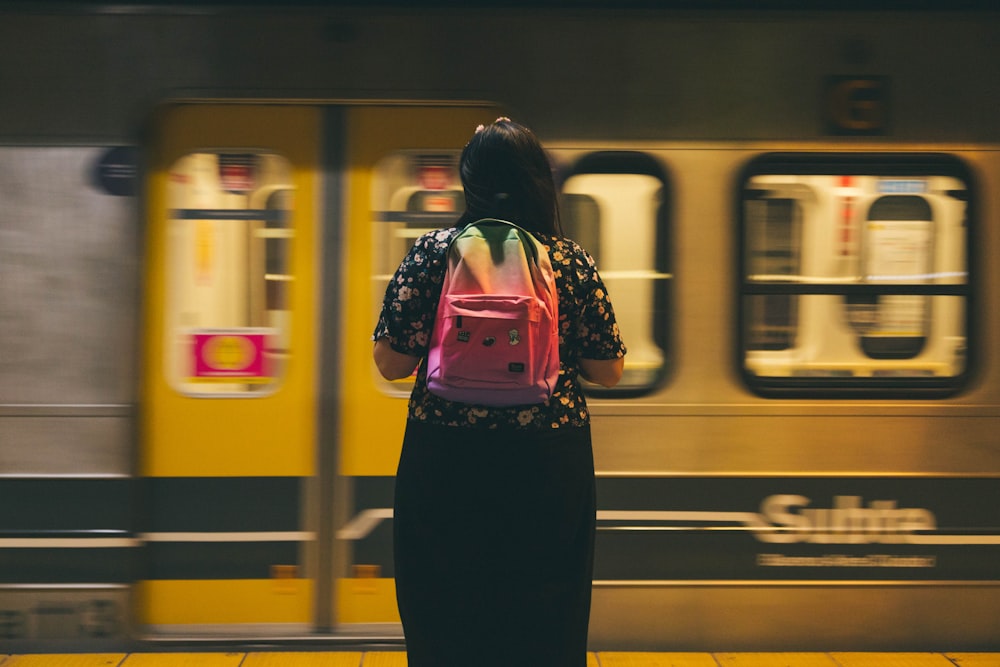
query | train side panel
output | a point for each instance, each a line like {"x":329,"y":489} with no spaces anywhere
{"x":795,"y":213}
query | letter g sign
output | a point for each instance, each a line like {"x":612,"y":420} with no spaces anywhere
{"x":857,"y":105}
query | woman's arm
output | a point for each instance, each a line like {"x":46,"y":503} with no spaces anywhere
{"x":606,"y":372}
{"x":391,"y":364}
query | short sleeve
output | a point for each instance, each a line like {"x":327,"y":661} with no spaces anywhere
{"x":410,"y":301}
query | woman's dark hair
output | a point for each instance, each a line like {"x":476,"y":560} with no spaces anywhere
{"x":507,"y":175}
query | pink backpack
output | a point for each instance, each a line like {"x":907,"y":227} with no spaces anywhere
{"x":496,"y":335}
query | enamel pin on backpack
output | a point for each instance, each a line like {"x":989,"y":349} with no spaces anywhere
{"x":495,"y":340}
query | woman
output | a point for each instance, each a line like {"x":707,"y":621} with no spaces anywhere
{"x":494,"y":509}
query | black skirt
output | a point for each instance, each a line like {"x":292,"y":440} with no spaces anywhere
{"x":494,"y":545}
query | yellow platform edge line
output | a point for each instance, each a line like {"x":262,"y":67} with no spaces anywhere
{"x":654,"y":659}
{"x":304,"y":659}
{"x":796,"y":658}
{"x":199,"y":659}
{"x":64,"y":660}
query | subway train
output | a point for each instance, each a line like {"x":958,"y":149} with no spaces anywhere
{"x":796,"y":213}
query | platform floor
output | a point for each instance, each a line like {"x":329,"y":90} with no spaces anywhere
{"x":398,"y":659}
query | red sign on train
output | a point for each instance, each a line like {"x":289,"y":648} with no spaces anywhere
{"x":230,"y":356}
{"x":434,"y":177}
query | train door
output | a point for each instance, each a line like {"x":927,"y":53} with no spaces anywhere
{"x":403,"y":166}
{"x":261,"y":420}
{"x":898,"y":236}
{"x":229,"y":415}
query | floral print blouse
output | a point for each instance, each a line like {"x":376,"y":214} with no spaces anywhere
{"x":587,"y":329}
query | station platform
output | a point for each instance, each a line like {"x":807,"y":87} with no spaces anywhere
{"x":398,"y":659}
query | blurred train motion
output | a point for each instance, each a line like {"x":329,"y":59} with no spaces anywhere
{"x":796,"y":213}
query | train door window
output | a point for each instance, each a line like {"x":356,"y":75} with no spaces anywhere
{"x":897,"y":246}
{"x":413,"y":193}
{"x":615,"y":204}
{"x":229,"y":273}
{"x":855,"y":274}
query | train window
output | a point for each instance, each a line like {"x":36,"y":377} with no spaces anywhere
{"x":855,"y":274}
{"x":229,"y":273}
{"x":413,"y":192}
{"x":615,"y":204}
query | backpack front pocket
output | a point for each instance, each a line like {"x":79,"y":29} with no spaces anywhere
{"x":489,"y":340}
